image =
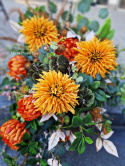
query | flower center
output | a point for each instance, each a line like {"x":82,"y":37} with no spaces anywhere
{"x":56,"y":90}
{"x":40,"y":31}
{"x":95,"y":56}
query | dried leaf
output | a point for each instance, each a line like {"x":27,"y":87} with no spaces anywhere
{"x":89,"y":36}
{"x":45,"y":117}
{"x":61,"y":134}
{"x":53,"y":140}
{"x":53,"y":162}
{"x":110,"y":147}
{"x":107,"y":136}
{"x":98,"y":144}
{"x":15,"y":26}
{"x":21,"y":38}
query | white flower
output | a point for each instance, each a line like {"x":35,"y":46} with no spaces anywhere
{"x":53,"y":162}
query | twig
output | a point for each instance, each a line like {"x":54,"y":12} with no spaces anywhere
{"x":8,"y":38}
{"x":60,"y":13}
{"x":3,"y":150}
{"x":69,"y":12}
{"x":25,"y":159}
{"x":50,"y":14}
{"x":18,"y":11}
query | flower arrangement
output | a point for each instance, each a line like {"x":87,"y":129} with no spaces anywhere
{"x":62,"y":81}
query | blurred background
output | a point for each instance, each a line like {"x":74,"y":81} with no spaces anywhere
{"x":117,"y":14}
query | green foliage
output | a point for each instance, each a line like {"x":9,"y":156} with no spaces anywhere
{"x":86,"y":97}
{"x":105,"y":30}
{"x":95,"y":85}
{"x":84,"y":6}
{"x":93,"y":26}
{"x":59,"y":63}
{"x":87,"y":119}
{"x":82,"y":22}
{"x":76,"y":121}
{"x":75,"y":144}
{"x":81,"y":146}
{"x":52,"y":7}
{"x":64,"y":16}
{"x":88,"y":140}
{"x":100,"y":95}
{"x":103,"y":13}
{"x":13,"y":109}
{"x":9,"y":160}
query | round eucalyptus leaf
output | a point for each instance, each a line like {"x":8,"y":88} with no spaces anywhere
{"x":83,"y":22}
{"x":103,"y":13}
{"x":94,"y":26}
{"x":84,"y":6}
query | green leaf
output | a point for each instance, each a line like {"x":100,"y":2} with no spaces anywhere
{"x":122,"y":50}
{"x":98,"y":77}
{"x":26,"y":137}
{"x":100,"y":95}
{"x":87,"y":119}
{"x":75,"y":144}
{"x":88,"y":140}
{"x":76,"y":121}
{"x":78,"y":18}
{"x":52,"y":7}
{"x":23,"y":150}
{"x":111,"y":89}
{"x":103,"y":84}
{"x":79,"y":79}
{"x":65,"y":164}
{"x":41,"y":57}
{"x":111,"y":34}
{"x":105,"y":29}
{"x":103,"y":13}
{"x":43,"y":163}
{"x":90,"y":130}
{"x":31,"y":161}
{"x":46,"y":61}
{"x":60,"y":151}
{"x":95,"y":85}
{"x":94,"y":26}
{"x":78,"y":134}
{"x":34,"y":125}
{"x":33,"y":144}
{"x":64,"y":16}
{"x":42,"y":8}
{"x":81,"y":146}
{"x":6,"y":81}
{"x":83,"y":22}
{"x":84,"y":6}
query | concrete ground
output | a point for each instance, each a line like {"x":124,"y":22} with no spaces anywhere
{"x":90,"y":157}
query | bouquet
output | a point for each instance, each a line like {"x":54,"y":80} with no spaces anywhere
{"x":61,"y":81}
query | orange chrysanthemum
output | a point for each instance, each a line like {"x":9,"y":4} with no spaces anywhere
{"x":12,"y":133}
{"x":95,"y":57}
{"x":55,"y":93}
{"x":27,"y":110}
{"x":67,"y":46}
{"x":16,"y":66}
{"x":39,"y":31}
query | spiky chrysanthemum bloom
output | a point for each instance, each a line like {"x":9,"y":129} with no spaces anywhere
{"x":12,"y":133}
{"x":27,"y":110}
{"x":16,"y":66}
{"x":38,"y":31}
{"x":95,"y":57}
{"x":55,"y":93}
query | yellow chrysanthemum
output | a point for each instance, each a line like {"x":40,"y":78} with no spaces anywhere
{"x":55,"y":93}
{"x":39,"y":31}
{"x":95,"y":57}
